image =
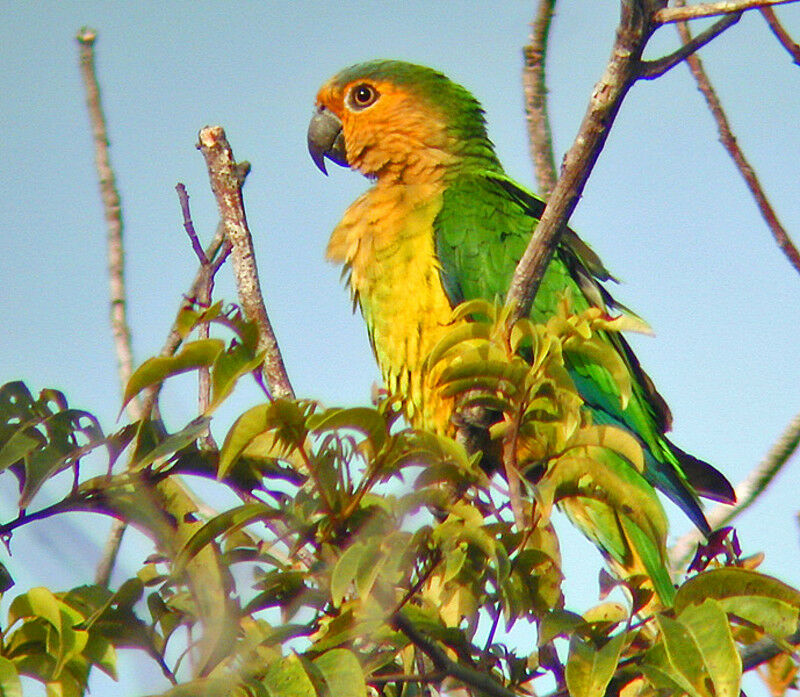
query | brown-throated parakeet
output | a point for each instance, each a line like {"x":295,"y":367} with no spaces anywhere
{"x":441,"y":224}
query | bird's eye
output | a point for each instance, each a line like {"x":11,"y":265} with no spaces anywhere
{"x":362,"y":96}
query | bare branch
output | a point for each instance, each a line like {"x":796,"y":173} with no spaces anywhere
{"x":113,"y":214}
{"x":217,"y":252}
{"x":782,"y":35}
{"x":473,"y":678}
{"x":710,"y":9}
{"x":226,"y":185}
{"x":729,"y":142}
{"x":650,"y":70}
{"x":112,"y":209}
{"x":746,"y":491}
{"x":763,"y":650}
{"x":102,"y":574}
{"x":188,"y":225}
{"x":204,"y":294}
{"x":535,"y":87}
{"x":621,"y":72}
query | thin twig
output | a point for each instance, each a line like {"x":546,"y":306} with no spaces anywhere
{"x":425,"y":678}
{"x":729,"y":142}
{"x":217,"y":251}
{"x":650,"y":70}
{"x":781,"y":34}
{"x":710,"y":9}
{"x":225,"y":183}
{"x":746,"y":491}
{"x":188,"y":225}
{"x":473,"y":678}
{"x":535,"y":87}
{"x":204,"y":294}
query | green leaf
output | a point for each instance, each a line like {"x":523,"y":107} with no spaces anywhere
{"x":454,"y":560}
{"x":613,"y":438}
{"x":173,"y":442}
{"x":226,"y":522}
{"x":589,"y":670}
{"x":10,"y":685}
{"x":126,"y":596}
{"x":710,"y":631}
{"x":37,"y":602}
{"x":229,"y":366}
{"x":460,"y":334}
{"x":71,"y":641}
{"x":682,"y":660}
{"x":603,"y":476}
{"x":763,"y":600}
{"x":19,"y":445}
{"x":284,"y":420}
{"x":288,"y":678}
{"x":342,"y":673}
{"x":5,"y":579}
{"x":345,"y":570}
{"x":100,"y":651}
{"x":196,"y":354}
{"x":559,"y":622}
{"x":362,"y":419}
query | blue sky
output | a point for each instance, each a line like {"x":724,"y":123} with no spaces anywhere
{"x":664,"y":208}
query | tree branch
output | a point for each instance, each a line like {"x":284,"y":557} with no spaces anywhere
{"x":473,"y":678}
{"x":535,"y":88}
{"x":621,"y":72}
{"x":204,"y":294}
{"x":217,"y":252}
{"x":729,"y":142}
{"x":188,"y":225}
{"x":710,"y":9}
{"x":112,"y":208}
{"x":226,"y":185}
{"x":650,"y":70}
{"x":113,"y":215}
{"x":763,"y":650}
{"x":782,"y":35}
{"x":746,"y":491}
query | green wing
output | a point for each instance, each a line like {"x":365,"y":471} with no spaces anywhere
{"x":481,"y":232}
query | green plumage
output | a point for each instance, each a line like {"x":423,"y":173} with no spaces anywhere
{"x":481,"y":232}
{"x":428,"y":131}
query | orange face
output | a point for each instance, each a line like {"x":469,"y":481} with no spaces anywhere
{"x":383,"y":130}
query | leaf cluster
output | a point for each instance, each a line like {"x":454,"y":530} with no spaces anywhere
{"x":352,"y":527}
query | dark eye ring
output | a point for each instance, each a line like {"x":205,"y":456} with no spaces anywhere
{"x":363,"y":95}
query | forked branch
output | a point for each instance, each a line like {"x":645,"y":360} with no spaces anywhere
{"x":226,"y":185}
{"x":781,"y":34}
{"x":621,"y":72}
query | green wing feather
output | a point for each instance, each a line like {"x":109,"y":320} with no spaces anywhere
{"x":481,"y":232}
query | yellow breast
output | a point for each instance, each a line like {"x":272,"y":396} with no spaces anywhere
{"x":385,"y":241}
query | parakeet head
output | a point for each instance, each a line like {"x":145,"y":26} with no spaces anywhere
{"x":398,"y":121}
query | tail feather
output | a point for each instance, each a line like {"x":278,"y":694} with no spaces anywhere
{"x":706,"y":480}
{"x":664,"y":478}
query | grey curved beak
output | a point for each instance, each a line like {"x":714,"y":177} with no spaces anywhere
{"x":325,"y":139}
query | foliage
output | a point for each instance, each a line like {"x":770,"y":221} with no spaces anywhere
{"x":367,"y":557}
